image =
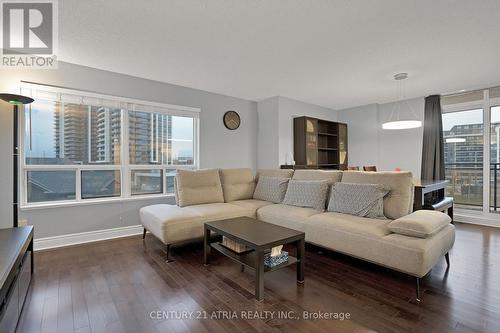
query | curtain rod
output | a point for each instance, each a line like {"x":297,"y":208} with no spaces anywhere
{"x":468,"y":91}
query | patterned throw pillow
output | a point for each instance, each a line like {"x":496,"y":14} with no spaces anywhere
{"x":271,"y":189}
{"x":307,"y":193}
{"x":365,"y":200}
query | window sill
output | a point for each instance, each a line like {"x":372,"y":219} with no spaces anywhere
{"x":87,"y":202}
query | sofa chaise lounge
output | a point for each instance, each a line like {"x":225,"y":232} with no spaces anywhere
{"x":209,"y":195}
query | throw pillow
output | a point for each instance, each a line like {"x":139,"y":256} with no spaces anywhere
{"x":307,"y":193}
{"x":365,"y":200}
{"x":421,"y":223}
{"x":271,"y":189}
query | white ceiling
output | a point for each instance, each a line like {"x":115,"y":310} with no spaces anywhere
{"x":328,"y":52}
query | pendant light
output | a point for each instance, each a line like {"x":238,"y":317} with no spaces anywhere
{"x":395,"y":122}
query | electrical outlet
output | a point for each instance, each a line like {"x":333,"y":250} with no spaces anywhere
{"x":22,"y":222}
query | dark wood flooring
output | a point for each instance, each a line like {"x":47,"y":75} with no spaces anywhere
{"x":113,"y":286}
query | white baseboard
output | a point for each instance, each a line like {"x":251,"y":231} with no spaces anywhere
{"x":476,"y":219}
{"x":85,"y":237}
{"x":99,"y":235}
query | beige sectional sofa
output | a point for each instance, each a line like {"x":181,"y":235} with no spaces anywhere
{"x":210,"y":195}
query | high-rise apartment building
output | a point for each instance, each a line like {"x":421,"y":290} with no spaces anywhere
{"x":87,"y":134}
{"x":92,"y":135}
{"x":105,"y":129}
{"x":467,"y":152}
{"x":470,"y":150}
{"x":70,"y":121}
{"x":148,"y":137}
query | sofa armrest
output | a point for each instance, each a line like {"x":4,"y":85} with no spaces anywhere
{"x":421,"y":223}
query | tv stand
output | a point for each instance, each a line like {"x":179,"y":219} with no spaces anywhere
{"x":16,"y":270}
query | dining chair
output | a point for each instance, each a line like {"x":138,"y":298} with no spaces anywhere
{"x":370,"y":168}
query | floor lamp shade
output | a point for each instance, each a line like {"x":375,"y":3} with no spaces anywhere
{"x":15,"y":100}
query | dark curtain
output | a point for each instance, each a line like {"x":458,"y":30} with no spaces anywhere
{"x":433,"y":150}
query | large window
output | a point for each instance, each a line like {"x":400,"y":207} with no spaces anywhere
{"x":79,"y":146}
{"x":471,"y":131}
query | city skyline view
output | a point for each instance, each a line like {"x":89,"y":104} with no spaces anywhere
{"x":84,"y":134}
{"x":468,"y":126}
{"x":463,"y":134}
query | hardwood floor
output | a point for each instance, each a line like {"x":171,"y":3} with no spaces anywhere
{"x":114,"y":286}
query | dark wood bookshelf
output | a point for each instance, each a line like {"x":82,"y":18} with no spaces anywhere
{"x":319,"y":144}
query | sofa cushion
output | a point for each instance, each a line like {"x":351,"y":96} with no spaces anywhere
{"x":399,"y":201}
{"x":237,"y":184}
{"x":282,"y":173}
{"x":421,"y":223}
{"x":332,"y":176}
{"x":171,"y":223}
{"x":417,"y":255}
{"x":371,"y":240}
{"x":196,"y":187}
{"x":286,"y":216}
{"x":334,"y":222}
{"x":307,"y":193}
{"x":271,"y":189}
{"x":219,"y":211}
{"x":365,"y":200}
{"x":251,"y":205}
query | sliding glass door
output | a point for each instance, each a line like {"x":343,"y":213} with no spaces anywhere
{"x":471,"y":134}
{"x":495,"y":160}
{"x":463,"y":157}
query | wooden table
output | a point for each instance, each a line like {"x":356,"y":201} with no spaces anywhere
{"x":431,"y":195}
{"x":260,"y":237}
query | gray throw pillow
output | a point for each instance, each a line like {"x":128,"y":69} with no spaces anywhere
{"x":271,"y":189}
{"x":307,"y":193}
{"x":365,"y":200}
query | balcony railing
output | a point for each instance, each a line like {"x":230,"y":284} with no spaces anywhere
{"x":466,"y":184}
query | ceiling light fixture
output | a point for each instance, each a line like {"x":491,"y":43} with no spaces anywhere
{"x":455,"y":140}
{"x":395,"y":123}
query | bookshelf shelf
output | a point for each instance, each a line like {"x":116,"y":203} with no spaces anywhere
{"x":319,"y":144}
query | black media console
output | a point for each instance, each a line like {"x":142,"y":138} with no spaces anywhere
{"x":16,"y":269}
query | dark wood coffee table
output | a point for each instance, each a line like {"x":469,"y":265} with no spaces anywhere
{"x":260,"y":237}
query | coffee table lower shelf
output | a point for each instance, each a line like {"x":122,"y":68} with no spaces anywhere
{"x":249,"y":258}
{"x":260,"y":237}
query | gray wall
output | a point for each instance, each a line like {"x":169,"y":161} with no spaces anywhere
{"x":275,"y":138}
{"x":363,"y":134}
{"x":369,"y":144}
{"x":268,"y":134}
{"x":219,"y":147}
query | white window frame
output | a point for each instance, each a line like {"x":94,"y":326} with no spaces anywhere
{"x":124,"y":167}
{"x":484,"y":216}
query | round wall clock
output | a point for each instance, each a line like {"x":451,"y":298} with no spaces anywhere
{"x":231,"y":120}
